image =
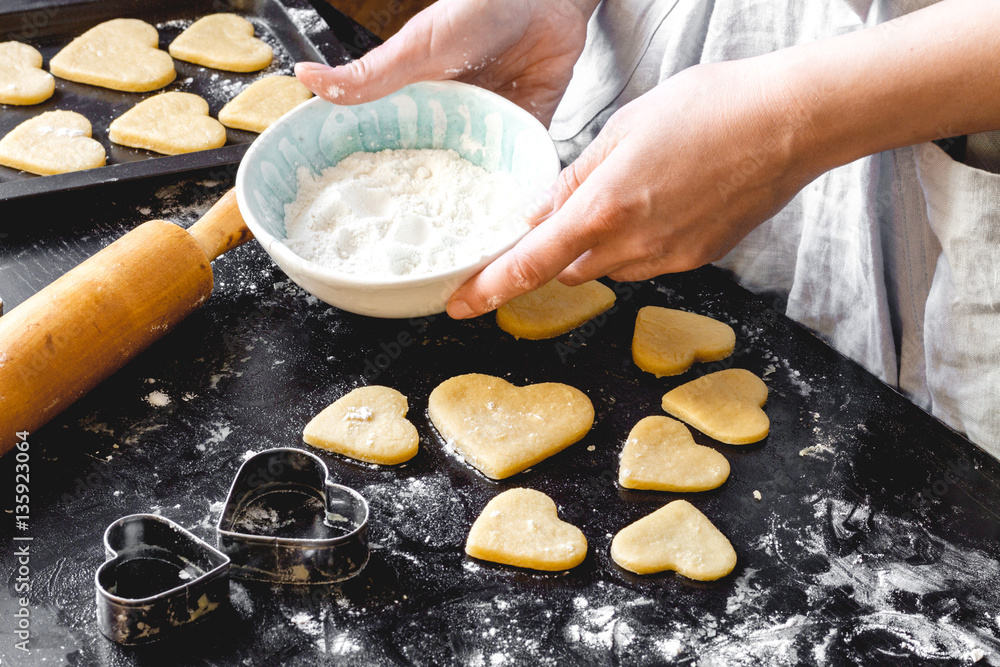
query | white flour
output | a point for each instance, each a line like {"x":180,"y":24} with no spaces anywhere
{"x":402,"y":212}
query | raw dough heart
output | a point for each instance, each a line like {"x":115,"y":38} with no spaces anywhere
{"x":222,"y":41}
{"x":502,"y":429}
{"x":169,"y":123}
{"x":368,"y":424}
{"x":22,"y":79}
{"x":667,"y":341}
{"x":675,"y":537}
{"x":723,"y":405}
{"x":521,"y":527}
{"x":661,"y":455}
{"x":263,"y":102}
{"x":54,"y":142}
{"x":553,"y":309}
{"x":120,"y":54}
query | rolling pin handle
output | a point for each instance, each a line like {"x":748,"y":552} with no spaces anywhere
{"x":222,"y":228}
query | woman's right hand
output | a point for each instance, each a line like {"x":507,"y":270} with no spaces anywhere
{"x":522,"y":49}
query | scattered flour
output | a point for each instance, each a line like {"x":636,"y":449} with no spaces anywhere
{"x":158,"y":399}
{"x":60,"y":131}
{"x":816,"y":450}
{"x":402,"y":212}
{"x":307,"y":20}
{"x":360,"y":414}
{"x":216,"y":434}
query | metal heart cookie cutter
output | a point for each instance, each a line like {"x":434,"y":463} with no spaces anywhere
{"x":286,"y":522}
{"x":157,"y":578}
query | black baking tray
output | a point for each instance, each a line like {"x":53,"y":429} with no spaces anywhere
{"x":293,"y":28}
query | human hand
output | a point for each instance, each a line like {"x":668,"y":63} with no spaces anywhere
{"x":674,"y":180}
{"x":522,"y":49}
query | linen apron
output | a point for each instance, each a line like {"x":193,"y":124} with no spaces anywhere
{"x":893,"y":259}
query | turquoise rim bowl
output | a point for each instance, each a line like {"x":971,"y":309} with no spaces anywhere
{"x":484,"y":128}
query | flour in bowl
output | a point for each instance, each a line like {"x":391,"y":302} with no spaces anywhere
{"x":403,"y":212}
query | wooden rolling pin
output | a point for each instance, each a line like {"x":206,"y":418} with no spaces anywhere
{"x":63,"y":341}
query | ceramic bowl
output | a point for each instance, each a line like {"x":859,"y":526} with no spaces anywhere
{"x":484,"y":128}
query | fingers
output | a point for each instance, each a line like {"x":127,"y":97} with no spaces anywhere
{"x":597,"y":262}
{"x":538,"y":258}
{"x":574,"y":175}
{"x":571,"y":178}
{"x":527,"y":266}
{"x":403,"y":59}
{"x":579,"y":211}
{"x":376,"y":75}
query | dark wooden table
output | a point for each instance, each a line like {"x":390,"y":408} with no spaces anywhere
{"x":875,"y":541}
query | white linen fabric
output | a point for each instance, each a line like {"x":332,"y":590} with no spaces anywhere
{"x":893,"y":259}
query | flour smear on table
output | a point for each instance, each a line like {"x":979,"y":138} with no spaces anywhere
{"x":405,"y":212}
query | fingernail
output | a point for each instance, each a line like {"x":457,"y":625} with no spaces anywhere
{"x":459,"y":309}
{"x":301,"y":68}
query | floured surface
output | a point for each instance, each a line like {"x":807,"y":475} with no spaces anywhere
{"x":879,"y":551}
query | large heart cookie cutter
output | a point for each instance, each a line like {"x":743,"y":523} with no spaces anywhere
{"x":286,"y":522}
{"x":157,"y":578}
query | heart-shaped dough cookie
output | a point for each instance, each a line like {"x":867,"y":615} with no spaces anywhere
{"x":263,"y":102}
{"x":553,"y":309}
{"x":22,"y":79}
{"x":661,"y":455}
{"x":222,"y":41}
{"x":723,"y":405}
{"x":54,"y":142}
{"x":502,"y":429}
{"x":169,"y":123}
{"x":521,"y":527}
{"x":667,"y":341}
{"x":675,"y":537}
{"x":120,"y":54}
{"x":368,"y":424}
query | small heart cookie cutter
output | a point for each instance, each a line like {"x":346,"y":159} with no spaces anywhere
{"x":286,"y":522}
{"x":157,"y":578}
